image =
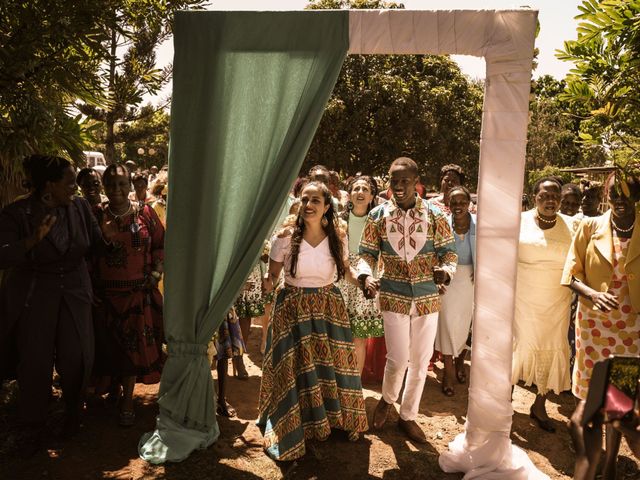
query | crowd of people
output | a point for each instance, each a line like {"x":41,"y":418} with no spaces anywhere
{"x":79,"y":291}
{"x":82,"y":291}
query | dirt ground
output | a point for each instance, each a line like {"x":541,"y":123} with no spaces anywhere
{"x":104,"y":450}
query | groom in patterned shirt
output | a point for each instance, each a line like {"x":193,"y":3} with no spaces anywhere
{"x":414,"y":244}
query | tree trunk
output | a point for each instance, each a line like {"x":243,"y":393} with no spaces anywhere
{"x":109,"y":141}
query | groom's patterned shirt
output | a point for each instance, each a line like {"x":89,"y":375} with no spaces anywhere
{"x":407,"y":245}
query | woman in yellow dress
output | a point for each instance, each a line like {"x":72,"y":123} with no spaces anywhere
{"x":541,"y":348}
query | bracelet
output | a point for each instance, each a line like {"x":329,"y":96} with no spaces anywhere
{"x":155,"y":274}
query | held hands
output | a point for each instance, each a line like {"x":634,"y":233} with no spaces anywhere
{"x":370,"y":286}
{"x":267,"y":284}
{"x":41,"y":231}
{"x":604,"y":301}
{"x":153,"y":279}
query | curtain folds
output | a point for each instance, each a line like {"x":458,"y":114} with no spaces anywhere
{"x":249,"y":89}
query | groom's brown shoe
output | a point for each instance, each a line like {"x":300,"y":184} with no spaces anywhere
{"x":413,"y":431}
{"x":380,"y":414}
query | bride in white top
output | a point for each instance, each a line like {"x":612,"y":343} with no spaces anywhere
{"x":310,"y":379}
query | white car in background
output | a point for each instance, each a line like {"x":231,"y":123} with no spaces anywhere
{"x":96,"y":161}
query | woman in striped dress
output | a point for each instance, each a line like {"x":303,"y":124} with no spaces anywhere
{"x":310,"y":380}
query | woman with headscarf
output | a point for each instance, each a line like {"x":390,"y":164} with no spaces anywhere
{"x":451,"y":175}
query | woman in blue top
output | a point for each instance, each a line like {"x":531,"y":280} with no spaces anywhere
{"x":456,"y":312}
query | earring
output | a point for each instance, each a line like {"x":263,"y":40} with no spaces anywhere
{"x":46,"y":197}
{"x":324,"y":222}
{"x":350,"y":205}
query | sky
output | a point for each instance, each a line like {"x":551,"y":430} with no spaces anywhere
{"x":557,"y":24}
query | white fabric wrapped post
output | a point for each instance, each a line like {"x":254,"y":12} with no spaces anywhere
{"x":506,"y":40}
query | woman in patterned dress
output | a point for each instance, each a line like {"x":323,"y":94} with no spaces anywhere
{"x":603,"y":267}
{"x":541,"y":348}
{"x":310,"y":380}
{"x":128,"y":321}
{"x":365,"y":317}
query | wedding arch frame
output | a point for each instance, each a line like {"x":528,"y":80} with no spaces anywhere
{"x":505,"y":39}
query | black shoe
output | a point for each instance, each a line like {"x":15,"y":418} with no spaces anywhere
{"x":545,"y":425}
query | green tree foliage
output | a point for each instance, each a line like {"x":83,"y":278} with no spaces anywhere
{"x":553,"y":136}
{"x":135,"y":30}
{"x":49,"y":57}
{"x":385,"y":106}
{"x":603,"y":85}
{"x":548,"y":171}
{"x":150,"y":132}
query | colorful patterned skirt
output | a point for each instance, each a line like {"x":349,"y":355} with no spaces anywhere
{"x":228,"y":340}
{"x":129,"y":334}
{"x":310,"y":378}
{"x":250,"y":303}
{"x":364,"y":314}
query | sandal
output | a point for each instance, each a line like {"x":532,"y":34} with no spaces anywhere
{"x":127,"y":419}
{"x":225,"y":410}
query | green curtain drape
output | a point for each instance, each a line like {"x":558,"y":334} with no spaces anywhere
{"x":249,"y":89}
